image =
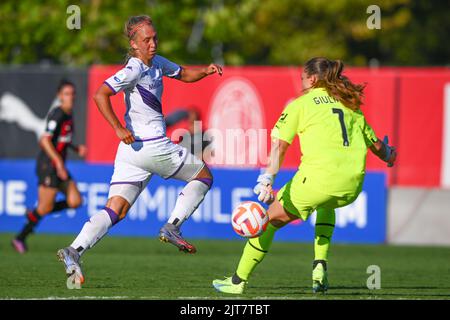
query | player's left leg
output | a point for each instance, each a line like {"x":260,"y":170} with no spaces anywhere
{"x":324,"y":228}
{"x":46,"y":201}
{"x":191,"y":196}
{"x":46,"y":206}
{"x":199,"y":180}
{"x":73,"y":197}
{"x":255,"y":250}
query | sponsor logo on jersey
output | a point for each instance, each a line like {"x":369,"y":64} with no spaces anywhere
{"x":66,"y":139}
{"x":52,"y":125}
{"x":152,"y":78}
{"x":120,"y":76}
{"x":282,"y":118}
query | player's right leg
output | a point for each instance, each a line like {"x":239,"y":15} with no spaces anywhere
{"x":127,"y":183}
{"x":255,"y":250}
{"x":92,"y":232}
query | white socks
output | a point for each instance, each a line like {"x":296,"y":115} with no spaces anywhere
{"x":189,"y":199}
{"x":94,"y":229}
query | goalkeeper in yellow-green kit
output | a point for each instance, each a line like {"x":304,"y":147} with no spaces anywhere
{"x":334,"y":138}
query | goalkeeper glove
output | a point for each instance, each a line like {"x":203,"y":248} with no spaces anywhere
{"x":391,"y":154}
{"x":264,"y":188}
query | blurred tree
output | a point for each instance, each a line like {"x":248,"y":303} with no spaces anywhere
{"x":423,"y":40}
{"x":234,"y":32}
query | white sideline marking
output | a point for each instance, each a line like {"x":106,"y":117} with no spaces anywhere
{"x":78,"y":298}
{"x":157,"y":298}
{"x":209,"y":298}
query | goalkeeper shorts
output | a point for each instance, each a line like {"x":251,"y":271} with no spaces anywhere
{"x":136,"y":163}
{"x":298,"y":198}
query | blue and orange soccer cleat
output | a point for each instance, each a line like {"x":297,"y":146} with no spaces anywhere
{"x":171,"y":233}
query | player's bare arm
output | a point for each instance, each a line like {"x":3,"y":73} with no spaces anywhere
{"x":102,"y":99}
{"x":46,"y":144}
{"x":192,"y":74}
{"x":277,"y":153}
{"x":265,"y":180}
{"x":80,"y":149}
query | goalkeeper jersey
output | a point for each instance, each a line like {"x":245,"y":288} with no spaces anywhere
{"x":333,"y":138}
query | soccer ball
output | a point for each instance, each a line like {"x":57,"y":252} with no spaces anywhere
{"x":249,"y":219}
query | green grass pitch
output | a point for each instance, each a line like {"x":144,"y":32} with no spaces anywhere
{"x":144,"y":268}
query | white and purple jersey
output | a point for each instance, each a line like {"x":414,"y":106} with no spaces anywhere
{"x":143,"y":88}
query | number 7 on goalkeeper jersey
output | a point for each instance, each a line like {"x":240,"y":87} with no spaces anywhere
{"x":334,"y":142}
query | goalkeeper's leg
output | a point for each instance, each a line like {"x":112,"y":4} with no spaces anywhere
{"x":255,"y":250}
{"x":323,"y":232}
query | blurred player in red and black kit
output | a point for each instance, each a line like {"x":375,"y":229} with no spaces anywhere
{"x":53,"y":176}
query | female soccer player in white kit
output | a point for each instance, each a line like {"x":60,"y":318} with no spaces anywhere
{"x":144,"y":149}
